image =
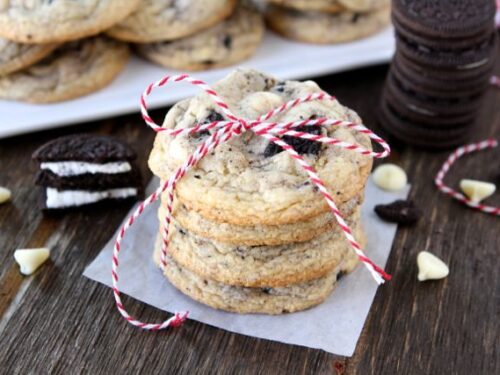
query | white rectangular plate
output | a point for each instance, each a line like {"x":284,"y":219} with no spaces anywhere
{"x":278,"y":56}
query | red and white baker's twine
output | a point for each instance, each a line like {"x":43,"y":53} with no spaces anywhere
{"x":223,"y":131}
{"x":489,"y":143}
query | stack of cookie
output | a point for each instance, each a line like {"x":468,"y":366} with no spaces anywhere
{"x":444,"y":60}
{"x":250,"y":232}
{"x":49,"y":51}
{"x":192,"y":35}
{"x":327,"y":21}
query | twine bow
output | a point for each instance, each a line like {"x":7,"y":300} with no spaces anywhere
{"x":223,"y":131}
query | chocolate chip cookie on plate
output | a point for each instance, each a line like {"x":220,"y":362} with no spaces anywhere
{"x":49,"y":21}
{"x":74,"y":69}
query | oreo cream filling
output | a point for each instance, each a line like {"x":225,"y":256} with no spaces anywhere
{"x":75,"y":168}
{"x":69,"y":198}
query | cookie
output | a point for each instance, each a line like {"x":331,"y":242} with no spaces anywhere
{"x":247,"y":181}
{"x":446,"y":18}
{"x":425,"y":103}
{"x":449,"y":77}
{"x":16,"y":56}
{"x":364,"y":5}
{"x":42,"y":21}
{"x":471,"y":58}
{"x":259,"y":266}
{"x":279,"y":300}
{"x":160,"y":20}
{"x":328,"y":6}
{"x":80,"y":170}
{"x":323,"y":28}
{"x":417,"y":134}
{"x":254,"y":235}
{"x":434,"y":83}
{"x":226,"y":43}
{"x":424,"y":117}
{"x":75,"y":69}
{"x":86,"y":148}
{"x":448,"y":42}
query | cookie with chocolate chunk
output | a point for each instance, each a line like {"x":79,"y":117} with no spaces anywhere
{"x":74,"y":69}
{"x":364,"y":5}
{"x":265,"y":265}
{"x":160,"y":20}
{"x":81,"y":170}
{"x":259,"y":234}
{"x":324,"y":28}
{"x":246,"y":181}
{"x":328,"y":6}
{"x":248,"y":300}
{"x":42,"y":21}
{"x":16,"y":56}
{"x":226,"y":43}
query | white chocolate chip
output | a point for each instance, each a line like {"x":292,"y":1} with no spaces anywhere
{"x":176,"y":149}
{"x":390,"y":177}
{"x":430,"y":267}
{"x":477,"y":190}
{"x":30,"y":259}
{"x":262,"y":102}
{"x":5,"y":195}
{"x":311,"y":84}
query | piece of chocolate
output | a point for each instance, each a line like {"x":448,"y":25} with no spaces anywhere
{"x":302,"y":146}
{"x":401,"y":212}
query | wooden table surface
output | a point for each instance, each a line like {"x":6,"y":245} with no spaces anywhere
{"x":57,"y":321}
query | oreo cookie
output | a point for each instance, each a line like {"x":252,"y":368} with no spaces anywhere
{"x":446,"y":19}
{"x":425,"y":119}
{"x":85,"y":148}
{"x":423,"y":102}
{"x":84,"y":170}
{"x":448,"y":43}
{"x":414,"y":133}
{"x":473,"y":57}
{"x":433,"y":82}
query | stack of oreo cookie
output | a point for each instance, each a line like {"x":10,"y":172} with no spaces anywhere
{"x":84,"y":170}
{"x":250,"y":233}
{"x":444,"y":60}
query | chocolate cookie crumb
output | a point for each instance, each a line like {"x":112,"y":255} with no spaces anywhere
{"x":302,"y":146}
{"x":400,"y":211}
